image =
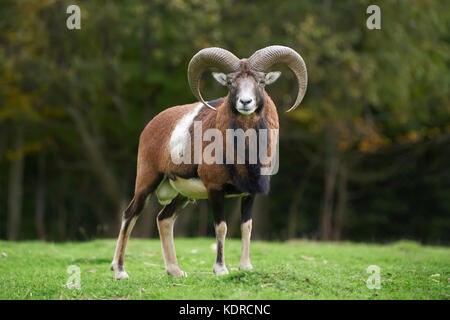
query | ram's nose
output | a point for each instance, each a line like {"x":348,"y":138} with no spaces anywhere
{"x":245,"y":101}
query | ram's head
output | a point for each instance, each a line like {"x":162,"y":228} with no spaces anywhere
{"x":246,"y":78}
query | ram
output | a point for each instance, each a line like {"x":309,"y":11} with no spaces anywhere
{"x":167,"y":139}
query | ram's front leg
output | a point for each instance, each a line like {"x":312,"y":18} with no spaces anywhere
{"x":246,"y":231}
{"x":216,"y":200}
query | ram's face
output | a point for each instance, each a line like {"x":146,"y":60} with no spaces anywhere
{"x":246,"y":89}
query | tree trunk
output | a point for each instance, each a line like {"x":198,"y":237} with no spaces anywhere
{"x":328,"y":198}
{"x":202,"y":219}
{"x":105,"y":176}
{"x":234,"y":223}
{"x":293,"y":207}
{"x":15,"y":186}
{"x":183,"y":220}
{"x":154,"y":207}
{"x":61,"y":216}
{"x":260,"y":217}
{"x":147,"y":219}
{"x":40,"y":198}
{"x":341,"y":203}
{"x":74,"y":220}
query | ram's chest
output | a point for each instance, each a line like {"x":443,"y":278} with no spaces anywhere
{"x":181,"y":170}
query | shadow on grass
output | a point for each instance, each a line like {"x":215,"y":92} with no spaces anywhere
{"x":91,"y":261}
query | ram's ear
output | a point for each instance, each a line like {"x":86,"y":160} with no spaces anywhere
{"x":271,"y":77}
{"x":220,"y":78}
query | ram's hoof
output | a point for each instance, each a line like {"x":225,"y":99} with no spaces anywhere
{"x":245,"y":266}
{"x":120,"y":275}
{"x":119,"y":272}
{"x":220,"y":269}
{"x":176,"y":271}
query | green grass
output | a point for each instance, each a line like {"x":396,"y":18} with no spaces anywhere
{"x":289,"y":270}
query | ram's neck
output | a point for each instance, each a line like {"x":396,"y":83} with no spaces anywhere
{"x":270,"y":113}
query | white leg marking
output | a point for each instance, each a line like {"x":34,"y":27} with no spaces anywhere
{"x":219,"y":267}
{"x":119,"y":255}
{"x":165,"y":228}
{"x":246,"y":231}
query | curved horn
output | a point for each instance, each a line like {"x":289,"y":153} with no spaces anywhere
{"x":263,"y":59}
{"x":207,"y":58}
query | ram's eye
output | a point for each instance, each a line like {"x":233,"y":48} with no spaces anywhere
{"x":262,"y":82}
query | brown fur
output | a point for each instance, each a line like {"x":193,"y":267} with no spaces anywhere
{"x":247,"y":106}
{"x":154,"y":158}
{"x":154,"y":162}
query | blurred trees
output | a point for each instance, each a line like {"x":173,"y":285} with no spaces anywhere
{"x":365,"y":157}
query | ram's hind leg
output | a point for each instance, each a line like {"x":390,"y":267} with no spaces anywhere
{"x":129,"y":218}
{"x":165,"y":220}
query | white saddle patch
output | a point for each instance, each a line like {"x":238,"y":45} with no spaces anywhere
{"x":180,"y":140}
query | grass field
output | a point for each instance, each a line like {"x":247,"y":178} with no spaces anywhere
{"x":289,"y":270}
